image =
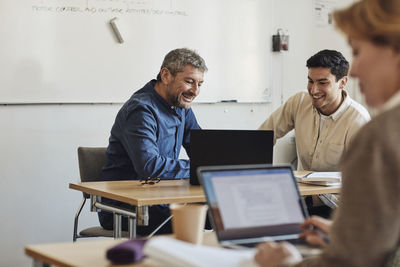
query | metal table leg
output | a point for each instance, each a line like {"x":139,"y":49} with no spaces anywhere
{"x":132,"y":227}
{"x":38,"y":263}
{"x":96,"y":205}
{"x":327,"y":198}
{"x":117,"y":225}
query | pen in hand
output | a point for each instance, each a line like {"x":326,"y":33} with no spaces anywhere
{"x":316,"y":231}
{"x":322,"y":235}
{"x":315,"y":237}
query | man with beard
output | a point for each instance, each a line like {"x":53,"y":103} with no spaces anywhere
{"x":150,"y":129}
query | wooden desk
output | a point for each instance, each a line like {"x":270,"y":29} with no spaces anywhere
{"x":309,"y":189}
{"x":84,"y":253}
{"x":136,"y":194}
{"x":140,"y":196}
{"x":167,"y":192}
{"x":164,"y":192}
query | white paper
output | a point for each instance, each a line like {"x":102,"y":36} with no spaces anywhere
{"x":172,"y":252}
{"x":321,"y":178}
{"x":257,"y":202}
{"x":323,"y":12}
{"x":337,"y":175}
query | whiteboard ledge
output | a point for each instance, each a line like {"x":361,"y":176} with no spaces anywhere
{"x":119,"y":103}
{"x":57,"y":103}
{"x":233,"y":103}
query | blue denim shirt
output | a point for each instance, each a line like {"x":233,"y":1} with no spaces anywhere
{"x":146,"y":138}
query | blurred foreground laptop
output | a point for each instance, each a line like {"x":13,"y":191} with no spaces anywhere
{"x":250,"y":204}
{"x":229,"y":147}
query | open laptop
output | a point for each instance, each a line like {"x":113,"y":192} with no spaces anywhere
{"x":229,"y":147}
{"x":249,"y":204}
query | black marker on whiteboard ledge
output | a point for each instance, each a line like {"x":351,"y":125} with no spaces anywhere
{"x":229,"y":101}
{"x":116,"y":30}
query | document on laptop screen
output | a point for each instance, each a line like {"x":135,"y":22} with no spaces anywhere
{"x":261,"y":199}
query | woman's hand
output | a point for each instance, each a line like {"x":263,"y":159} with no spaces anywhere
{"x":316,"y":231}
{"x":271,"y":254}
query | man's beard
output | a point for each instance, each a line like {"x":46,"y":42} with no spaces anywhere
{"x":179,"y":104}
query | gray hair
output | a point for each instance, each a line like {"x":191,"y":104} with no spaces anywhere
{"x":176,"y":60}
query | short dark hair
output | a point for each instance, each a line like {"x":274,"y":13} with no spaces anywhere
{"x":176,"y":60}
{"x":331,"y":59}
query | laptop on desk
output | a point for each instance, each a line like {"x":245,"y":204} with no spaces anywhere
{"x":229,"y":147}
{"x":250,"y":204}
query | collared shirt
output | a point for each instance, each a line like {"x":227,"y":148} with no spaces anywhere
{"x":392,"y":102}
{"x":146,"y":138}
{"x":317,"y":149}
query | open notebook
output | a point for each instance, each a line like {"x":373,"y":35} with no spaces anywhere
{"x":166,"y":251}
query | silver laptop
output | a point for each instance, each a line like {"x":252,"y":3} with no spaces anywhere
{"x":249,"y":204}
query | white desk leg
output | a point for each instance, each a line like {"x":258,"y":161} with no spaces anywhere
{"x":117,"y":225}
{"x":142,"y":215}
{"x":96,"y":205}
{"x":327,"y":198}
{"x":161,"y":225}
{"x":132,"y":227}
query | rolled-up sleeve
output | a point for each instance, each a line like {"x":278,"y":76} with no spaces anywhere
{"x":282,"y":120}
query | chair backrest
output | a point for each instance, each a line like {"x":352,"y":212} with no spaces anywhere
{"x":91,"y":161}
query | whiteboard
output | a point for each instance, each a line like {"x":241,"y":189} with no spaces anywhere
{"x":64,"y":51}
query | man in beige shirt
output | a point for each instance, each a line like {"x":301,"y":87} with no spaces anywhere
{"x":325,"y":119}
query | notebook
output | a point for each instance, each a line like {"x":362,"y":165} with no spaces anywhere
{"x":320,"y":178}
{"x":229,"y":147}
{"x":249,"y":204}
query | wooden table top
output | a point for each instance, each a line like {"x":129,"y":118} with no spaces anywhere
{"x":87,"y":253}
{"x":133,"y":192}
{"x":83,"y":253}
{"x":167,"y":191}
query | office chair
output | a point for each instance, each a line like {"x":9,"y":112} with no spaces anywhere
{"x":91,"y":160}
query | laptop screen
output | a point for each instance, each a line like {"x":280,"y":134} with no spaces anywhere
{"x":229,"y":147}
{"x":253,"y":201}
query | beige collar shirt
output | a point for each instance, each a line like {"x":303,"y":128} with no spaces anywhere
{"x":318,"y":148}
{"x":392,"y":102}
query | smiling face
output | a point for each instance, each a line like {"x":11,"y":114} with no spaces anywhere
{"x":180,"y":90}
{"x":325,"y":91}
{"x":377,"y":69}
